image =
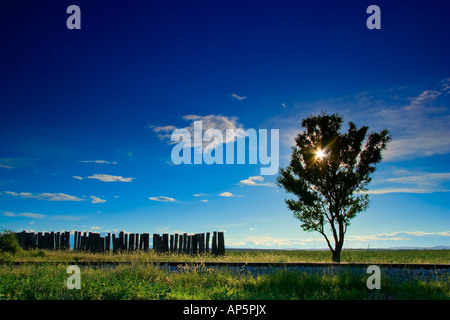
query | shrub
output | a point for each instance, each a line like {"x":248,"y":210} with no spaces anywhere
{"x":8,"y":242}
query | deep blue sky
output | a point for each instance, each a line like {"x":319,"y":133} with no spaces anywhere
{"x":71,"y":97}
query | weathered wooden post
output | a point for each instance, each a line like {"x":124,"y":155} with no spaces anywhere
{"x":154,"y":241}
{"x":131,"y":242}
{"x":175,"y":243}
{"x":165,"y":242}
{"x":114,"y":242}
{"x":207,"y":242}
{"x":146,"y":240}
{"x":221,"y":243}
{"x":121,"y":240}
{"x":180,"y":245}
{"x":185,"y":242}
{"x":171,"y":243}
{"x":214,"y":243}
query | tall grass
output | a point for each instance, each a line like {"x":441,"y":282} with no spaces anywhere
{"x":361,"y":256}
{"x":147,"y":282}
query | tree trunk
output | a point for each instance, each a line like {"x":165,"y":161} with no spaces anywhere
{"x":336,"y":255}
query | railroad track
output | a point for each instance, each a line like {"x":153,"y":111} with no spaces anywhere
{"x":427,"y":266}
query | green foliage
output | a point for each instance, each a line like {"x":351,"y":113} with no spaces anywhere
{"x":42,"y":282}
{"x":8,"y":242}
{"x":329,"y":172}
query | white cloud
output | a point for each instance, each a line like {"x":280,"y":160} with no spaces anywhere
{"x":25,"y":214}
{"x":43,"y":196}
{"x":397,"y":236}
{"x":219,"y":122}
{"x":200,"y":195}
{"x":284,"y":105}
{"x":234,"y":96}
{"x":109,"y":178}
{"x":77,"y":177}
{"x":204,"y":200}
{"x":226,"y":194}
{"x":97,"y":200}
{"x":256,"y":181}
{"x":162,"y":199}
{"x":98,"y":161}
{"x":267,"y":240}
{"x":96,"y":228}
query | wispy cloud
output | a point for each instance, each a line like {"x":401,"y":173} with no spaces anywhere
{"x":200,"y":195}
{"x":24,"y":214}
{"x":413,"y":182}
{"x":98,"y":161}
{"x":109,"y":178}
{"x":163,"y":199}
{"x":12,"y":163}
{"x":403,"y":190}
{"x":256,"y":181}
{"x":418,"y":122}
{"x":43,"y":196}
{"x":234,"y":96}
{"x":66,"y":217}
{"x":97,"y":200}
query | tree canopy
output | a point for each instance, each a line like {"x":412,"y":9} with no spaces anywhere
{"x":329,"y":172}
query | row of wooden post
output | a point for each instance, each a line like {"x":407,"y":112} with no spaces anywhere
{"x":44,"y":240}
{"x":94,"y":242}
{"x":190,"y":244}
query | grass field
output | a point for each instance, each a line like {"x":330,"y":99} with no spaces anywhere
{"x":142,"y":281}
{"x":361,"y":256}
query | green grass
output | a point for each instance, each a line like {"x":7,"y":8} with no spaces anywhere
{"x":361,"y":256}
{"x":140,"y":281}
{"x":143,"y":281}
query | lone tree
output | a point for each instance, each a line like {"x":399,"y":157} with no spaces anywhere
{"x":329,"y":172}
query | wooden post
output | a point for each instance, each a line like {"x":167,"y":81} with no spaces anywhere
{"x":207,"y":242}
{"x":214,"y":243}
{"x":165,"y":242}
{"x":146,"y":241}
{"x":189,"y":244}
{"x":171,"y":243}
{"x":121,"y":240}
{"x":221,"y":243}
{"x":114,"y":243}
{"x":201,"y":247}
{"x":154,"y":242}
{"x":75,"y":243}
{"x":185,"y":239}
{"x":108,"y":242}
{"x":131,"y":242}
{"x":175,"y":243}
{"x":67,"y":236}
{"x":180,"y":246}
{"x":194,"y":244}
